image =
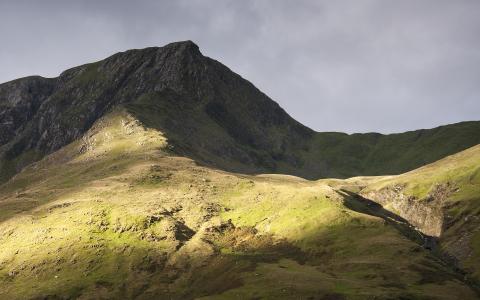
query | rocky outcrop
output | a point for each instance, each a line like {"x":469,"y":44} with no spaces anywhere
{"x":19,"y":102}
{"x":425,"y":214}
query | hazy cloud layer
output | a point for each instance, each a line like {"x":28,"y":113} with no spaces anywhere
{"x":355,"y":66}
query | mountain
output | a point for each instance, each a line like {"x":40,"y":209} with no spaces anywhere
{"x":144,"y":176}
{"x":208,"y":113}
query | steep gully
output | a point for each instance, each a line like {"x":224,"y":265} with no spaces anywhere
{"x":363,"y":205}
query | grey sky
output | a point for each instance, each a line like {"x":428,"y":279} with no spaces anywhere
{"x":354,"y":66}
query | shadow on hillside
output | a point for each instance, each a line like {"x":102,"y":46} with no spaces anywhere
{"x":363,"y":205}
{"x":366,"y":206}
{"x":215,"y":136}
{"x":255,"y":140}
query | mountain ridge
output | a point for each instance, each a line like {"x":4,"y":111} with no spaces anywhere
{"x":251,"y":130}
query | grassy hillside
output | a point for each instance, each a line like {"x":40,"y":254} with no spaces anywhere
{"x":115,"y":215}
{"x":376,"y":154}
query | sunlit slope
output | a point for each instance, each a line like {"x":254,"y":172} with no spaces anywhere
{"x":446,"y":199}
{"x":114,"y":215}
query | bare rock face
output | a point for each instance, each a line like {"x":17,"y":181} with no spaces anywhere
{"x":20,"y":101}
{"x":425,"y":214}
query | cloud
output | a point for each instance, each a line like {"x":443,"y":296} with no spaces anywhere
{"x":354,"y":66}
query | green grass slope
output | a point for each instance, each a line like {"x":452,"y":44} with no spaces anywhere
{"x":115,"y":215}
{"x":344,"y":156}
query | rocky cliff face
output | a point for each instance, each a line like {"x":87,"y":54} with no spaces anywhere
{"x":21,"y":100}
{"x":425,"y":214}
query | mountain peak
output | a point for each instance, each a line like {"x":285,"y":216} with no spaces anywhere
{"x":184,"y":46}
{"x":181,"y":91}
{"x":176,"y":49}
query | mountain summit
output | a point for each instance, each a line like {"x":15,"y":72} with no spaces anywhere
{"x":194,"y":97}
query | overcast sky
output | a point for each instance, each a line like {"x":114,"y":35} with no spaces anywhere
{"x":353,"y":66}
